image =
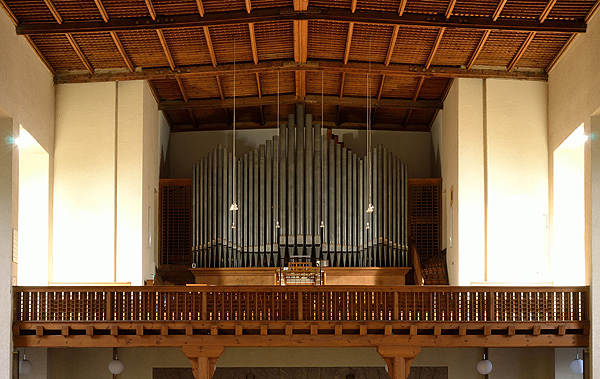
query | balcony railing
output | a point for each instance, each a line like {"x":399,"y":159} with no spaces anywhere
{"x":328,"y":303}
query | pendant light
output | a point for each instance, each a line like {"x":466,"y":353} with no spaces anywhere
{"x":278,"y":149}
{"x":115,"y":366}
{"x":576,"y":365}
{"x":25,"y":366}
{"x":484,"y":366}
{"x":370,"y":207}
{"x":233,"y":207}
{"x":322,"y":226}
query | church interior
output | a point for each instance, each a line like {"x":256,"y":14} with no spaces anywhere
{"x":299,"y":189}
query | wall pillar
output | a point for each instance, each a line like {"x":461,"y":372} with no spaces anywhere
{"x":398,"y":359}
{"x":204,"y":359}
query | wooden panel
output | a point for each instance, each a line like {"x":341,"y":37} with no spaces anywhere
{"x":175,"y":225}
{"x":425,"y":215}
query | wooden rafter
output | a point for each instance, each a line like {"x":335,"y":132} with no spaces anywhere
{"x":436,"y":44}
{"x":348,"y":42}
{"x":200,"y":8}
{"x":262,"y":115}
{"x":79,"y":53}
{"x":151,"y":10}
{"x":592,"y":12}
{"x":193,"y":118}
{"x":253,"y":43}
{"x":499,"y":9}
{"x":300,"y":5}
{"x":300,"y":84}
{"x":401,"y":7}
{"x":182,"y":88}
{"x":258,"y":85}
{"x":10,"y":13}
{"x":337,"y":115}
{"x":221,"y":93}
{"x":248,"y":6}
{"x":418,"y":88}
{"x":392,"y":45}
{"x":287,"y":14}
{"x":353,"y":5}
{"x":121,"y":49}
{"x":342,"y":85}
{"x":521,"y":51}
{"x":254,"y":101}
{"x":381,"y":87}
{"x":561,"y":53}
{"x":54,"y":11}
{"x":450,"y":8}
{"x":211,"y":50}
{"x":300,"y":41}
{"x":165,"y":46}
{"x":406,"y":119}
{"x":547,"y":10}
{"x":479,"y":48}
{"x":40,"y":55}
{"x":102,"y":10}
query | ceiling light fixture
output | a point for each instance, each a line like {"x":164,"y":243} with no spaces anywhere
{"x":25,"y":366}
{"x":116,"y":366}
{"x":278,"y":150}
{"x":233,"y":207}
{"x":576,"y":365}
{"x":484,"y":366}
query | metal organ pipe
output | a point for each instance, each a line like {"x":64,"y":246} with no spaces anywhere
{"x":298,"y":180}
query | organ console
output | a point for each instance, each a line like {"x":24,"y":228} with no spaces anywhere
{"x":302,"y":195}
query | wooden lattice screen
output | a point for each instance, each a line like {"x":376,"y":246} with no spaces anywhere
{"x":425,"y":216}
{"x":175,"y":224}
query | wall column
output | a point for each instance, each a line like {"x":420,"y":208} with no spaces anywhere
{"x":204,"y":359}
{"x":398,"y":359}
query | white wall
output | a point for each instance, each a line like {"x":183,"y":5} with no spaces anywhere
{"x":574,"y":98}
{"x":27,"y":98}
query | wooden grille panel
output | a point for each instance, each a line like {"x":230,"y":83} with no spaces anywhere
{"x":425,"y":216}
{"x":175,"y":221}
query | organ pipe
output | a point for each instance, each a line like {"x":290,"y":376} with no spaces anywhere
{"x":300,"y":195}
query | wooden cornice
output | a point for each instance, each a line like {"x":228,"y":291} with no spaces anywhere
{"x":288,"y":14}
{"x":287,"y":65}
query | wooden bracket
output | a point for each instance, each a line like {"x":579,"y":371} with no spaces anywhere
{"x":398,"y":359}
{"x":204,"y":359}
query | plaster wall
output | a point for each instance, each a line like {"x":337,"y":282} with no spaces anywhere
{"x":27,"y":98}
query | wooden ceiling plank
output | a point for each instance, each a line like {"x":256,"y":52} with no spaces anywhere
{"x":193,"y":117}
{"x":54,"y":11}
{"x":151,"y":9}
{"x":337,"y":116}
{"x":285,"y":65}
{"x":182,"y":89}
{"x":300,"y":41}
{"x":286,"y":14}
{"x":436,"y":44}
{"x":499,"y":9}
{"x":211,"y":50}
{"x":561,"y":53}
{"x":253,"y":43}
{"x":342,"y":85}
{"x":40,"y":55}
{"x":381,"y":87}
{"x":254,"y":101}
{"x":418,"y":88}
{"x":348,"y":42}
{"x":121,"y":49}
{"x":401,"y":7}
{"x":9,"y":12}
{"x":592,"y":12}
{"x":450,"y":8}
{"x":200,"y":8}
{"x":102,"y":10}
{"x":248,"y":6}
{"x":165,"y":45}
{"x":353,"y":5}
{"x":521,"y":51}
{"x":154,"y":92}
{"x":479,"y":48}
{"x":262,"y":116}
{"x":392,"y":45}
{"x":406,"y":119}
{"x":258,"y":85}
{"x":221,"y":93}
{"x":547,"y":10}
{"x":79,"y":53}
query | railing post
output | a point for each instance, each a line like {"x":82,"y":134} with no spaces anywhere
{"x":396,"y":314}
{"x":204,"y":305}
{"x":300,"y":306}
{"x":109,"y":305}
{"x":491,"y":308}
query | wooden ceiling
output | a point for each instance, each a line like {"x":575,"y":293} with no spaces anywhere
{"x":327,"y":54}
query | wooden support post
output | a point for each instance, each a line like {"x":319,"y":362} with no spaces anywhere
{"x":203,"y":359}
{"x":398,"y":359}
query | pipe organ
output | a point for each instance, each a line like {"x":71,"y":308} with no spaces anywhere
{"x":300,"y":195}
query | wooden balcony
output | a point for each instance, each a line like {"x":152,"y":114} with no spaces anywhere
{"x":301,"y":316}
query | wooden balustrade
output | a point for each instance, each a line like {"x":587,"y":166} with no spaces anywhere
{"x":330,"y":303}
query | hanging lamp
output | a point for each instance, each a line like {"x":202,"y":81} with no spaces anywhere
{"x":233,"y":207}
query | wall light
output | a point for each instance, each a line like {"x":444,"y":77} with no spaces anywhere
{"x":484,"y":366}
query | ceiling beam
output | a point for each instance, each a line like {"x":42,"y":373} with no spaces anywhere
{"x":547,"y":10}
{"x":121,"y":49}
{"x":353,"y":5}
{"x":561,"y":52}
{"x":79,"y":53}
{"x":258,"y":85}
{"x":151,"y":10}
{"x":381,"y":87}
{"x":348,"y":42}
{"x":499,"y":9}
{"x":10,"y":13}
{"x":450,"y":8}
{"x":300,"y":5}
{"x":220,"y":86}
{"x":521,"y":51}
{"x":392,"y":45}
{"x":248,"y":6}
{"x":354,"y":101}
{"x":54,"y":11}
{"x":193,"y":117}
{"x":253,"y":43}
{"x":102,"y":10}
{"x":300,"y":84}
{"x":211,"y":50}
{"x":342,"y":84}
{"x":418,"y":88}
{"x":406,"y":119}
{"x":436,"y":44}
{"x":300,"y":41}
{"x":287,"y":65}
{"x":592,"y":12}
{"x":163,"y":42}
{"x":182,"y":89}
{"x":401,"y":7}
{"x":287,"y":14}
{"x":200,"y":8}
{"x":479,"y":48}
{"x":40,"y":55}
